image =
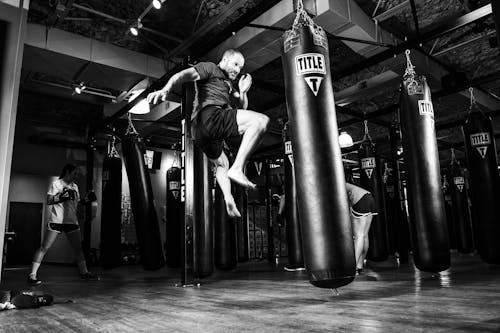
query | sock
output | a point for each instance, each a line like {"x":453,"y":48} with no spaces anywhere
{"x":34,"y":269}
{"x":82,"y":266}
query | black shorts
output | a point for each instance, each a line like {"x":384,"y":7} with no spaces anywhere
{"x":211,"y":126}
{"x":63,"y":227}
{"x":365,"y":206}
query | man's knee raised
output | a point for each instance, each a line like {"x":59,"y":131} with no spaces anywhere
{"x":264,"y":122}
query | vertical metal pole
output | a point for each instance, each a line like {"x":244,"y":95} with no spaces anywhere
{"x":87,"y":228}
{"x":269,"y":219}
{"x":187,"y":187}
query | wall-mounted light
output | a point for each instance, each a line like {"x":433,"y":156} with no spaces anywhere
{"x":140,"y":108}
{"x":345,"y":140}
{"x":79,"y":88}
{"x":134,"y":29}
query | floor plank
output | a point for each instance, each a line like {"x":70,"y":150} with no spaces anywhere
{"x":258,"y":297}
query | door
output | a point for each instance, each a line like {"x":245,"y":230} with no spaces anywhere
{"x":25,"y":219}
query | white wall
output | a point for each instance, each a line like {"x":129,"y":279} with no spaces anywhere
{"x":33,"y":167}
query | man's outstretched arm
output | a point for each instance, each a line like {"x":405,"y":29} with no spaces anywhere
{"x":186,"y":75}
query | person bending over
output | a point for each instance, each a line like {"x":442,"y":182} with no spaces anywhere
{"x":63,"y":198}
{"x":214,"y":119}
{"x":362,"y":210}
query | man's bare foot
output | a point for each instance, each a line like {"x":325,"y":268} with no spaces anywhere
{"x":232,"y":210}
{"x":239,"y":178}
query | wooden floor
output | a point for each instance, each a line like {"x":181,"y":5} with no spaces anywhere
{"x":259,"y":297}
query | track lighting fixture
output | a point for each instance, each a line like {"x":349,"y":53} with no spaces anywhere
{"x":79,"y":88}
{"x":134,"y":29}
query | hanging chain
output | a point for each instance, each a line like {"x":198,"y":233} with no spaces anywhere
{"x":453,"y":157}
{"x":472,"y":98}
{"x":302,"y":14}
{"x":410,"y":69}
{"x":113,"y":152}
{"x":130,"y":129}
{"x":367,"y":132}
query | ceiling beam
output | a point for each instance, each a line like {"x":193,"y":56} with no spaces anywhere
{"x":443,"y":29}
{"x":234,"y":27}
{"x":225,"y":13}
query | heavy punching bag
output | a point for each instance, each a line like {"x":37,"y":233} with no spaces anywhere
{"x":174,"y":215}
{"x":143,"y":204}
{"x":225,"y":253}
{"x":371,"y":180}
{"x":327,"y":237}
{"x":390,"y":208}
{"x":460,"y":209}
{"x":293,"y":237}
{"x":446,"y":181}
{"x":111,"y":214}
{"x":240,"y":196}
{"x":203,"y":264}
{"x":429,"y":232}
{"x":484,"y":183}
{"x":400,"y":216}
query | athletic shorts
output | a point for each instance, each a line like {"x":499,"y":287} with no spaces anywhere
{"x":364,"y":207}
{"x":211,"y":126}
{"x":63,"y":227}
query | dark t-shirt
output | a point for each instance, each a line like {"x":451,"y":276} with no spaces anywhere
{"x":213,"y":87}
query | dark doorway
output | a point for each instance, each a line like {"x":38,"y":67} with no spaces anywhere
{"x":25,"y":219}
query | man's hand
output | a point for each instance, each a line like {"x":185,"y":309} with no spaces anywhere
{"x":245,"y":83}
{"x":157,"y":94}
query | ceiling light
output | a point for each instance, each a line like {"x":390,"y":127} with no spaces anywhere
{"x":157,"y":4}
{"x":140,"y":108}
{"x":345,"y":140}
{"x":79,"y":88}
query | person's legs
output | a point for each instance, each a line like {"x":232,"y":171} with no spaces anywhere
{"x":48,"y":239}
{"x":359,"y":239}
{"x":222,"y":166}
{"x":252,"y":125}
{"x":366,"y":224}
{"x":75,"y":239}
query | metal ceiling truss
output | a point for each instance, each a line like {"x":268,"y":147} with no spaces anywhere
{"x":443,"y":29}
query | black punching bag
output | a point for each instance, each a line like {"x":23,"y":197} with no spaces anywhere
{"x":371,"y":180}
{"x":484,"y":183}
{"x":460,"y":210}
{"x":293,"y":237}
{"x":325,"y":223}
{"x":203,"y":264}
{"x":240,"y":196}
{"x":449,"y":210}
{"x":174,"y":216}
{"x":143,"y":204}
{"x":111,"y":214}
{"x":225,"y":256}
{"x":429,"y":232}
{"x":390,"y":205}
{"x":402,"y":228}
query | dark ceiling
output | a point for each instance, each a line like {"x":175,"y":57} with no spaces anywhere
{"x":447,"y":37}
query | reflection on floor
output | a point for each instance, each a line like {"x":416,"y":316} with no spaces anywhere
{"x":260,"y":297}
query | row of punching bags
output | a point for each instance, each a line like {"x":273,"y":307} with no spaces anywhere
{"x":320,"y":185}
{"x":230,"y":239}
{"x":142,"y":203}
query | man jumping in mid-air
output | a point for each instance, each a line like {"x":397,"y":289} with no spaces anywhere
{"x":214,"y":119}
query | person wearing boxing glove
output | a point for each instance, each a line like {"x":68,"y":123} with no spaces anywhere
{"x":63,"y":198}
